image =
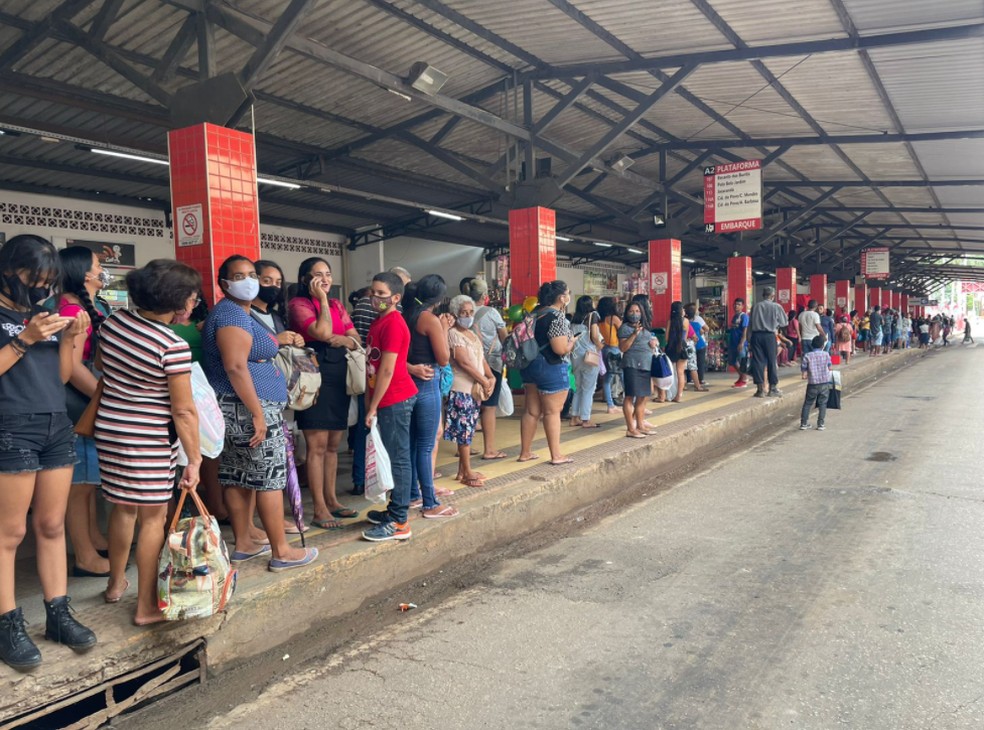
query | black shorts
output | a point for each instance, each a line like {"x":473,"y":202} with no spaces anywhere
{"x":493,"y":400}
{"x":36,"y":442}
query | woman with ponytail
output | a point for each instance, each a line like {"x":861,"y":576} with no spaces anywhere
{"x":83,"y":277}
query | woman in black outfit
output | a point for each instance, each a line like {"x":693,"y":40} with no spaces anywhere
{"x":676,"y":344}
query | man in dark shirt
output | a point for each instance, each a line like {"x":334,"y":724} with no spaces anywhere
{"x":877,"y":331}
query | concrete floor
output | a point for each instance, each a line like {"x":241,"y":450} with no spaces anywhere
{"x":817,"y":580}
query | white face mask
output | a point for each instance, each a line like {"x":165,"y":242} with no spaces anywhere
{"x":466,"y":322}
{"x":245,"y":290}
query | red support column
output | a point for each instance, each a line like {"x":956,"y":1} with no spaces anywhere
{"x":532,"y":250}
{"x":786,"y":288}
{"x":818,"y":289}
{"x":215,"y":210}
{"x":665,"y":281}
{"x":842,"y":296}
{"x":905,"y":302}
{"x":896,"y":300}
{"x":739,"y":282}
{"x":874,"y":297}
{"x":861,"y":298}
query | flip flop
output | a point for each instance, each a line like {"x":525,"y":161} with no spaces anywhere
{"x":593,"y":425}
{"x":496,"y":455}
{"x":292,"y":529}
{"x":475,"y":475}
{"x":241,"y":557}
{"x":446,"y":512}
{"x":531,"y":458}
{"x":344,"y":514}
{"x":107,"y":599}
{"x":327,"y":524}
{"x":639,"y":435}
{"x":473,"y":482}
{"x":561,"y":462}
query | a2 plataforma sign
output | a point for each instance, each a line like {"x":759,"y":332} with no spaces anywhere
{"x":733,"y":197}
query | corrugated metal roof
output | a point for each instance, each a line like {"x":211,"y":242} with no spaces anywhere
{"x":883,"y":15}
{"x":765,"y":21}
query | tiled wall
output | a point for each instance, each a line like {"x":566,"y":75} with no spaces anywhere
{"x":532,"y":250}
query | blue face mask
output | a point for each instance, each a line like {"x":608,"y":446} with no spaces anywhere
{"x":466,"y":322}
{"x":633,"y":318}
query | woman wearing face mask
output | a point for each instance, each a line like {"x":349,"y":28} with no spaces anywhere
{"x":82,"y":279}
{"x":187,"y":324}
{"x":327,"y":328}
{"x":637,"y":344}
{"x":678,"y":331}
{"x":37,"y":443}
{"x":472,"y":384}
{"x":547,"y":379}
{"x":252,"y":393}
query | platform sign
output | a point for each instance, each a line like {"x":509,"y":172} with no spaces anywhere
{"x":875,"y":263}
{"x":189,"y":224}
{"x":733,"y":197}
{"x":111,"y":255}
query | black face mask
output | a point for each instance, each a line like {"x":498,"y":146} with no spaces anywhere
{"x":23,"y":295}
{"x":38,"y":293}
{"x":269,"y":294}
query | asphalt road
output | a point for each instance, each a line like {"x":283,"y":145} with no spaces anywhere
{"x":816,"y":580}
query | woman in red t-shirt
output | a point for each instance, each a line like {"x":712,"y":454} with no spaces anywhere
{"x":328,"y":330}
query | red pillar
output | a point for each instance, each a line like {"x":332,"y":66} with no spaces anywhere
{"x":904,"y":301}
{"x":818,"y":289}
{"x":215,"y":211}
{"x":532,"y":250}
{"x":786,"y":288}
{"x":665,"y":281}
{"x":874,"y":297}
{"x":861,"y":298}
{"x":739,"y":281}
{"x":842,"y":296}
{"x":896,"y":300}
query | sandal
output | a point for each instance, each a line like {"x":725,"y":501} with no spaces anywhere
{"x":327,"y":524}
{"x":344,"y":513}
{"x":585,"y":424}
{"x":443,"y":492}
{"x":116,"y":599}
{"x":473,"y":482}
{"x":567,"y":460}
{"x":474,"y":475}
{"x":493,"y":457}
{"x":445,"y":512}
{"x":636,"y":435}
{"x":534,"y":457}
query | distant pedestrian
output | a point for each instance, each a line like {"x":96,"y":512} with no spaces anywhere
{"x":809,"y":325}
{"x":967,"y":338}
{"x":738,"y":344}
{"x":765,"y":319}
{"x":816,"y":371}
{"x":876,"y":325}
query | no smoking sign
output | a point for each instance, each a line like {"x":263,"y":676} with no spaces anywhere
{"x":189,"y":219}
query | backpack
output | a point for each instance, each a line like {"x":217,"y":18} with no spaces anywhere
{"x":844,"y":334}
{"x":583,"y":344}
{"x":302,"y":374}
{"x":520,"y":349}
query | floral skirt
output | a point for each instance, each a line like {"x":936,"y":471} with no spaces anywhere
{"x":461,"y":417}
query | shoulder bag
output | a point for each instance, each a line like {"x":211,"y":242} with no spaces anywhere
{"x":86,"y":425}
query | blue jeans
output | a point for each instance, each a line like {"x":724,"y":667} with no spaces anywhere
{"x":606,"y":383}
{"x":424,"y":423}
{"x":394,"y":427}
{"x":816,"y":394}
{"x":585,"y":380}
{"x":359,"y":433}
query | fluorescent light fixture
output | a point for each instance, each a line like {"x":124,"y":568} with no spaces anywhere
{"x":278,"y":183}
{"x":603,"y":245}
{"x":405,"y":97}
{"x":659,"y":220}
{"x":633,"y":250}
{"x":127,"y":156}
{"x":621,"y":163}
{"x":442,"y":214}
{"x":565,"y":239}
{"x":759,"y":273}
{"x":689,"y":261}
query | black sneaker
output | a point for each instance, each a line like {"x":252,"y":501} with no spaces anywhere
{"x":775,"y":393}
{"x":62,"y":628}
{"x":760,"y":393}
{"x":16,"y":647}
{"x":378,"y":516}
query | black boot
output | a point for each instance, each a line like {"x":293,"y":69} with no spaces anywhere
{"x":16,"y":647}
{"x":62,"y":627}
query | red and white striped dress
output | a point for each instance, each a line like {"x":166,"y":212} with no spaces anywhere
{"x":137,"y":460}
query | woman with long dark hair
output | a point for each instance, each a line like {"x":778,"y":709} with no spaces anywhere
{"x":326,"y":328}
{"x":82,"y":279}
{"x":428,"y":350}
{"x":637,"y":344}
{"x":677,"y":333}
{"x":587,"y":348}
{"x":270,"y":305}
{"x":547,"y":378}
{"x":37,"y":443}
{"x":608,"y":327}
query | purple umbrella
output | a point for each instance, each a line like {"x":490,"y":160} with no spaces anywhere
{"x":294,"y":485}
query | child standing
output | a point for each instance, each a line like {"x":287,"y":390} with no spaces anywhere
{"x":390,"y":398}
{"x":815,"y":367}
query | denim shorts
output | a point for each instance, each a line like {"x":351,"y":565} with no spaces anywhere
{"x":547,"y":378}
{"x":87,"y":467}
{"x":36,"y":442}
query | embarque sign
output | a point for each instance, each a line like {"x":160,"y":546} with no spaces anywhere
{"x":733,"y":197}
{"x":875,"y":263}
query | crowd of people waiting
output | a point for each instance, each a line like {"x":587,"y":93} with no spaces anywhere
{"x":434,"y":369}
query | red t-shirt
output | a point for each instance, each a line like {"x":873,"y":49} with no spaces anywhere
{"x":390,"y":333}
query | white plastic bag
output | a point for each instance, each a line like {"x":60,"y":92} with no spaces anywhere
{"x":353,"y":414}
{"x":211,"y":423}
{"x":506,"y":405}
{"x":668,"y":384}
{"x":379,"y":473}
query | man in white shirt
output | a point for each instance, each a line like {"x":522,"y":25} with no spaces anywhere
{"x":809,"y":322}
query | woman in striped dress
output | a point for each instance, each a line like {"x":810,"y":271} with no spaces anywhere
{"x":146,"y":406}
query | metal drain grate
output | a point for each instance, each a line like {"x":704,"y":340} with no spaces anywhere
{"x":99,"y":704}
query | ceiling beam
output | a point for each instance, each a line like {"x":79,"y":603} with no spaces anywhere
{"x":176,"y":50}
{"x":37,"y":32}
{"x":266,"y":53}
{"x":800,"y":48}
{"x":840,"y":139}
